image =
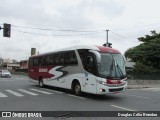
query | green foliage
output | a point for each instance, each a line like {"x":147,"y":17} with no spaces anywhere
{"x":147,"y":54}
{"x":141,"y":68}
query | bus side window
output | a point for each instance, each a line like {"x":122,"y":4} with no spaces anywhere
{"x":44,"y":60}
{"x":90,"y":64}
{"x":72,"y":58}
{"x":66,"y":58}
{"x":35,"y":62}
{"x":40,"y":61}
{"x":31,"y":62}
{"x":49,"y":60}
{"x":61,"y":59}
{"x":56,"y":59}
{"x":83,"y":58}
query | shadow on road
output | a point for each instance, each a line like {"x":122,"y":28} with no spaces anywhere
{"x":107,"y":97}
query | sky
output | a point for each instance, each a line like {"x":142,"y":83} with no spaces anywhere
{"x":48,"y":25}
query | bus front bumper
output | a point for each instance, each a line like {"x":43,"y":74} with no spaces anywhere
{"x":116,"y":88}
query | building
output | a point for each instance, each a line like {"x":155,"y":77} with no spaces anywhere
{"x":130,"y":64}
{"x":1,"y":61}
{"x":8,"y":60}
{"x":24,"y":64}
{"x":13,"y":66}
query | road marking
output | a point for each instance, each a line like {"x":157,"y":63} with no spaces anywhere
{"x":11,"y":80}
{"x":48,"y":93}
{"x":14,"y":93}
{"x":76,"y":96}
{"x":136,"y":96}
{"x":3,"y":95}
{"x":122,"y":108}
{"x":52,"y":90}
{"x":28,"y":92}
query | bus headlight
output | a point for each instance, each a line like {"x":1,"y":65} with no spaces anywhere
{"x":102,"y":82}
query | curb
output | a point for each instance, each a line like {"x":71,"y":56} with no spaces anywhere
{"x":142,"y":86}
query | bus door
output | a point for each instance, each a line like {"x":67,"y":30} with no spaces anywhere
{"x":90,"y":73}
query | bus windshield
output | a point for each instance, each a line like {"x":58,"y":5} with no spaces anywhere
{"x":112,"y":66}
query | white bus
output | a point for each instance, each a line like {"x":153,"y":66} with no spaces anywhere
{"x":90,"y":69}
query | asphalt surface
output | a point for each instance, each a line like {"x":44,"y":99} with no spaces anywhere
{"x":18,"y":94}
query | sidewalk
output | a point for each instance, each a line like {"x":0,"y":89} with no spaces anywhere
{"x":140,"y":84}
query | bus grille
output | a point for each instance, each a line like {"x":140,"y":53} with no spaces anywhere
{"x":114,"y":90}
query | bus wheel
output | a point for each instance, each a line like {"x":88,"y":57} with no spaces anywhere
{"x":41,"y":84}
{"x":77,"y":89}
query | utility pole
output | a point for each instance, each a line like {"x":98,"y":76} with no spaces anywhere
{"x":107,"y":44}
{"x":107,"y":38}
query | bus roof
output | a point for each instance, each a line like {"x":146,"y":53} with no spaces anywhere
{"x":89,"y":47}
{"x":107,"y":49}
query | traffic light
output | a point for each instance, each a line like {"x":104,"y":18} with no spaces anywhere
{"x":6,"y":30}
{"x":104,"y":44}
{"x":108,"y":45}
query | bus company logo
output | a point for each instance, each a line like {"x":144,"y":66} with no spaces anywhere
{"x":115,"y":81}
{"x":21,"y":114}
{"x":43,"y":70}
{"x":6,"y":114}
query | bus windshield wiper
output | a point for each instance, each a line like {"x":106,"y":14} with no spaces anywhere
{"x":112,"y":69}
{"x":119,"y":69}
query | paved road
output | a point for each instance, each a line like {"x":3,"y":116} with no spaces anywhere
{"x":18,"y":94}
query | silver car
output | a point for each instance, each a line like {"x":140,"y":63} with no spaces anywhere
{"x":5,"y":73}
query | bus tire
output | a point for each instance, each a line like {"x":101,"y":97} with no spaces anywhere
{"x":77,"y":88}
{"x":41,"y":84}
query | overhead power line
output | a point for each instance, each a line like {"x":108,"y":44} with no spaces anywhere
{"x":80,"y":32}
{"x":55,"y":34}
{"x":136,"y":27}
{"x":73,"y":30}
{"x":25,"y":29}
{"x":65,"y":30}
{"x":118,"y":34}
{"x":129,"y":39}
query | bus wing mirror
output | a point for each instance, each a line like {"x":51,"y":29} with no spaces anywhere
{"x":97,"y":54}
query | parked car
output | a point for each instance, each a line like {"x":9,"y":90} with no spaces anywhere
{"x":5,"y":73}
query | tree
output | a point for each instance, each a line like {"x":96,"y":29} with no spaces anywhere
{"x":147,"y":54}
